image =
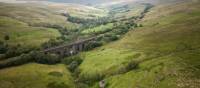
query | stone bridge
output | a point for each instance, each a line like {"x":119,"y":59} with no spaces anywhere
{"x":70,"y":49}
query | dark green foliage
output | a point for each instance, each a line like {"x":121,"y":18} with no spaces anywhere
{"x":132,"y":65}
{"x":140,"y":25}
{"x":72,"y":62}
{"x":52,"y":43}
{"x":24,"y":58}
{"x":44,"y":58}
{"x":72,"y":66}
{"x":69,"y":60}
{"x":3,"y":47}
{"x":13,"y":51}
{"x":89,"y":23}
{"x":34,"y":56}
{"x":93,"y":44}
{"x":6,"y":37}
{"x":109,"y":37}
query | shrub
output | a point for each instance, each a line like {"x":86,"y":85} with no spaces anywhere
{"x":113,"y":38}
{"x":44,"y":58}
{"x":6,"y":37}
{"x":24,"y":58}
{"x":69,"y":60}
{"x":73,"y":62}
{"x":72,"y":66}
{"x":52,"y":43}
{"x":2,"y":56}
{"x":13,"y":51}
{"x":132,"y":65}
{"x":34,"y":56}
{"x":3,"y":47}
{"x":93,"y":44}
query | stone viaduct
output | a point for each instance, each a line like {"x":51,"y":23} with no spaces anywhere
{"x":70,"y":49}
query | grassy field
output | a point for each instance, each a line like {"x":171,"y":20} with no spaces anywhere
{"x":36,"y":76}
{"x":20,"y":33}
{"x":167,"y":49}
{"x":98,"y":29}
{"x":35,"y":15}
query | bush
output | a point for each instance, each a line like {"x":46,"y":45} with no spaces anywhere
{"x":2,"y":56}
{"x":6,"y":37}
{"x":132,"y":65}
{"x":3,"y":47}
{"x":93,"y":44}
{"x":52,"y":43}
{"x":34,"y":56}
{"x":24,"y":58}
{"x":73,"y":62}
{"x":44,"y":58}
{"x":69,"y":60}
{"x":72,"y":66}
{"x":112,"y":37}
{"x":13,"y":51}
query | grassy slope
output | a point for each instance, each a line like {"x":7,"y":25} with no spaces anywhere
{"x":25,"y":22}
{"x":21,"y":33}
{"x":35,"y":76}
{"x":134,"y":10}
{"x":80,"y":11}
{"x":35,"y":14}
{"x":167,"y":48}
{"x":126,"y":10}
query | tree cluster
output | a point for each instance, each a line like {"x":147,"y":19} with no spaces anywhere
{"x":34,"y":56}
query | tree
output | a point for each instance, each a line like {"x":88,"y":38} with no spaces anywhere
{"x":140,"y":25}
{"x":3,"y":47}
{"x":6,"y":37}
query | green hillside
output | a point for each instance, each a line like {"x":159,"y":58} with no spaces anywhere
{"x":35,"y":24}
{"x":20,"y":33}
{"x":148,"y":44}
{"x":80,"y":11}
{"x":165,"y":52}
{"x":34,"y":15}
{"x":36,"y":76}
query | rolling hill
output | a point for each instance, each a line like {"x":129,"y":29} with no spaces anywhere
{"x":36,"y":75}
{"x":163,"y":52}
{"x":33,"y":24}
